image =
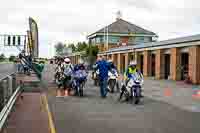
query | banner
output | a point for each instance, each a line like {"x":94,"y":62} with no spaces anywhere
{"x":34,"y":37}
{"x":29,"y":47}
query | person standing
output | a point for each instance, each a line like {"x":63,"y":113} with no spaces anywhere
{"x":68,"y":71}
{"x":103,"y":67}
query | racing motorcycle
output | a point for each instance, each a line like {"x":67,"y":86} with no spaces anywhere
{"x":132,"y":88}
{"x":78,"y":83}
{"x":112,"y":80}
{"x":95,"y":77}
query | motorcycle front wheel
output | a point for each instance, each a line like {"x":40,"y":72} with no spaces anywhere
{"x":137,"y":93}
{"x":81,"y":90}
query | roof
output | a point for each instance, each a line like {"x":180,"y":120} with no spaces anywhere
{"x":123,"y":27}
{"x":192,"y":38}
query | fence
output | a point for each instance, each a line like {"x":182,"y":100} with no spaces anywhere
{"x":9,"y":91}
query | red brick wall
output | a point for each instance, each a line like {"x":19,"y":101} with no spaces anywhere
{"x":147,"y":66}
{"x":175,"y":72}
{"x":194,"y":64}
{"x":159,"y":64}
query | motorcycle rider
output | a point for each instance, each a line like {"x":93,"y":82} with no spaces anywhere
{"x":68,"y":71}
{"x":132,"y":71}
{"x":79,"y":73}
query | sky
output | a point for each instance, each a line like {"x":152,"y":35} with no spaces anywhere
{"x":71,"y":21}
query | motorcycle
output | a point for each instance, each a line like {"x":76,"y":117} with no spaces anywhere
{"x":78,"y":83}
{"x":112,"y":80}
{"x":95,"y":77}
{"x":133,"y":88}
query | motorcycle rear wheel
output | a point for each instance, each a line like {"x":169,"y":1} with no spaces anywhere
{"x":112,"y":83}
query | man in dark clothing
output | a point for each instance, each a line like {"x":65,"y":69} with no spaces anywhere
{"x":103,"y":67}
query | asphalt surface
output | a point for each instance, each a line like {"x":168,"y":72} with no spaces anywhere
{"x":6,"y":69}
{"x":92,"y":114}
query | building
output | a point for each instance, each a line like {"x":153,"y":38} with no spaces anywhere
{"x":169,"y":59}
{"x":120,"y":33}
{"x":175,"y":59}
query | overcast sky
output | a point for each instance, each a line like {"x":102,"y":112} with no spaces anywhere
{"x":73,"y":20}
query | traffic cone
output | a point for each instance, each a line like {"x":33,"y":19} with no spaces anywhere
{"x":197,"y":94}
{"x":168,"y":92}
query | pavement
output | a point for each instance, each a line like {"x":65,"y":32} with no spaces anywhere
{"x":157,"y":112}
{"x":29,"y":116}
{"x":179,"y":93}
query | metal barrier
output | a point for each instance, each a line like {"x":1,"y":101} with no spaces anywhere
{"x":9,"y":91}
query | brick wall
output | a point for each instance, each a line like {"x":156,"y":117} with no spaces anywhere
{"x":175,"y":63}
{"x":194,"y":64}
{"x":147,"y":63}
{"x":159,"y":64}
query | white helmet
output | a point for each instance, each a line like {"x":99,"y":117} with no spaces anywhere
{"x":133,"y":63}
{"x":67,"y":60}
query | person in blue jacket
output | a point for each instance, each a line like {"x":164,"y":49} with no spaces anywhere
{"x":103,"y":67}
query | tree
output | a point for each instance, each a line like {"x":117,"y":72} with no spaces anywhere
{"x":72,"y":46}
{"x":91,"y":53}
{"x":2,"y":57}
{"x":59,"y":48}
{"x":81,"y":46}
{"x":92,"y":50}
{"x":12,"y":58}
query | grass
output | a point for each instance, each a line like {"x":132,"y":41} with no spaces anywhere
{"x":5,"y":62}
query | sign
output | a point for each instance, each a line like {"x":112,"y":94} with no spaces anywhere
{"x":13,"y":40}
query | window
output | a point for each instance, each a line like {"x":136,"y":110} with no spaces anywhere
{"x":13,"y":40}
{"x":131,"y":40}
{"x":9,"y":40}
{"x":98,"y":40}
{"x":19,"y":40}
{"x":140,"y":39}
{"x":113,"y":39}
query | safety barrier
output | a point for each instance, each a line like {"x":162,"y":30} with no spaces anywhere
{"x":9,"y":91}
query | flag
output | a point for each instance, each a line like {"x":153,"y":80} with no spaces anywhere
{"x":34,"y":37}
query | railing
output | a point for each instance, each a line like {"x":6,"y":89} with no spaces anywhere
{"x":9,"y":91}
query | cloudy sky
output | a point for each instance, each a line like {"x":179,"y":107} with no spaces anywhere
{"x":72,"y":20}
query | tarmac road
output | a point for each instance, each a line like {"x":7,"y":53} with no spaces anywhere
{"x":6,"y":69}
{"x":93,"y":114}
